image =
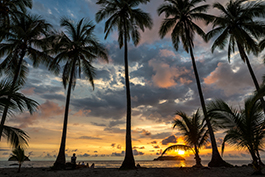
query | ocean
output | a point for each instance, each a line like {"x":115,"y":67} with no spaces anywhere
{"x":117,"y":163}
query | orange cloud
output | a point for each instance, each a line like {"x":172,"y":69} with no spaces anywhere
{"x":29,"y":91}
{"x":166,"y":53}
{"x":167,"y":76}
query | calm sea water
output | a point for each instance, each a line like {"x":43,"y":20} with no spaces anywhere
{"x":117,"y":164}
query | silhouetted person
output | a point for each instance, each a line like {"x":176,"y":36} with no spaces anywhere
{"x":93,"y":165}
{"x":73,"y":160}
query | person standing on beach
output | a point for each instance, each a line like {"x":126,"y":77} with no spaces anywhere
{"x":73,"y":160}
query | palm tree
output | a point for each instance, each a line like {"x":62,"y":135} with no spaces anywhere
{"x":239,"y":26}
{"x":18,"y":154}
{"x":76,"y":50}
{"x":24,"y":38}
{"x":179,"y":16}
{"x":245,"y":128}
{"x":194,"y":131}
{"x":12,"y":8}
{"x":127,"y":18}
{"x":16,"y":137}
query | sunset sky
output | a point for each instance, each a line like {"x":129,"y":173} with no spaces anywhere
{"x":162,"y":82}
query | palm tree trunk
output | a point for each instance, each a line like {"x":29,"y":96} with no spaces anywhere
{"x":197,"y":157}
{"x":128,"y":162}
{"x":60,"y":160}
{"x":23,"y":52}
{"x":216,"y":160}
{"x":245,"y":58}
{"x":19,"y":167}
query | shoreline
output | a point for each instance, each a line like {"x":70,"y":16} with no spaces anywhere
{"x":142,"y":172}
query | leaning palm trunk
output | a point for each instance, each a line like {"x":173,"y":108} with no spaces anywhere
{"x":216,"y":158}
{"x":128,"y":162}
{"x":12,"y":87}
{"x":60,"y":160}
{"x":245,"y":58}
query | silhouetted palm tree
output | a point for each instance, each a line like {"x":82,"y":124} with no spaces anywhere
{"x":245,"y":128}
{"x":194,"y":131}
{"x":12,"y":8}
{"x":179,"y":16}
{"x":124,"y":16}
{"x":238,"y":25}
{"x":18,"y":154}
{"x":23,"y":39}
{"x":76,"y":49}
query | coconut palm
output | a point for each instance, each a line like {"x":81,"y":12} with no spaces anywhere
{"x":12,"y":8}
{"x":127,"y":19}
{"x":18,"y":154}
{"x":15,"y":136}
{"x":194,"y":131}
{"x":245,"y":128}
{"x":238,"y":26}
{"x":25,"y":38}
{"x":179,"y":20}
{"x":76,"y":49}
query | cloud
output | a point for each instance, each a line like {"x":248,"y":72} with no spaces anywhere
{"x":89,"y":138}
{"x":46,"y":110}
{"x":115,"y":130}
{"x":170,"y":139}
{"x":167,"y":76}
{"x":135,"y":152}
{"x":153,"y":142}
{"x":83,"y":155}
{"x":156,"y":147}
{"x":146,"y":133}
{"x":117,"y":154}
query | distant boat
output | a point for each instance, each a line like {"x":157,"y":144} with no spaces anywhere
{"x":162,"y":158}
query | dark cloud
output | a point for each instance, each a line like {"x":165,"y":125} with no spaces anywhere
{"x":135,"y":152}
{"x":160,"y":135}
{"x":89,"y":138}
{"x":156,"y":147}
{"x":135,"y":147}
{"x":114,"y":130}
{"x":118,"y":154}
{"x":97,"y":124}
{"x":84,"y":155}
{"x":153,"y":142}
{"x":170,"y":139}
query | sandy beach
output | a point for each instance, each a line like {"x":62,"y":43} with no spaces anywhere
{"x":148,"y":172}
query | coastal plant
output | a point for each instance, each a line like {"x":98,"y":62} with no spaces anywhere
{"x":244,"y":127}
{"x":17,"y":103}
{"x":25,"y":38}
{"x":195,"y":133}
{"x":124,"y":16}
{"x":179,"y":20}
{"x":239,"y":25}
{"x":75,"y":49}
{"x":11,"y":9}
{"x":18,"y":154}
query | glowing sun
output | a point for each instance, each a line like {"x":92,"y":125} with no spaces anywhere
{"x":181,"y":152}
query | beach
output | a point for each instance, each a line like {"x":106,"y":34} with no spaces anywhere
{"x":142,"y":172}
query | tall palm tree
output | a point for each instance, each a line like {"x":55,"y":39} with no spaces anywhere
{"x":24,"y":38}
{"x":179,"y":16}
{"x":76,"y":49}
{"x":238,"y":25}
{"x":127,"y":18}
{"x":194,"y":131}
{"x":245,"y":128}
{"x":12,"y":8}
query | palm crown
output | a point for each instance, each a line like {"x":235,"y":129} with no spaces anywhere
{"x":238,"y":25}
{"x":125,"y":17}
{"x":77,"y":47}
{"x":24,"y":38}
{"x":179,"y":16}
